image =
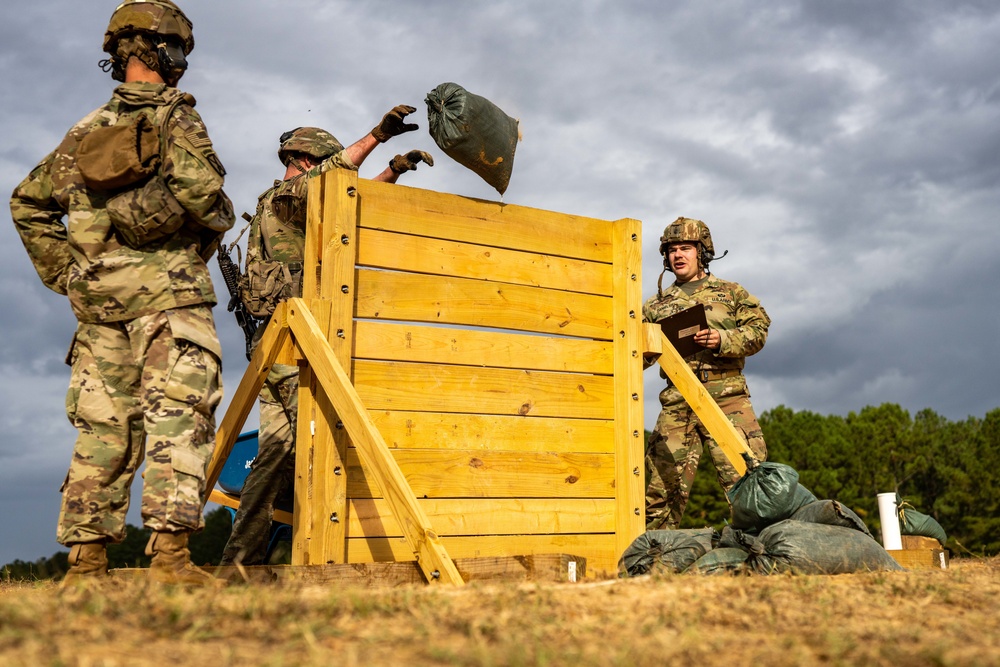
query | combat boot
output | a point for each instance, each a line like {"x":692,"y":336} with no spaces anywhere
{"x":88,"y":561}
{"x":172,"y":561}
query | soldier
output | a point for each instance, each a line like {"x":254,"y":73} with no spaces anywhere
{"x":141,"y":189}
{"x":275,"y":250}
{"x":737,"y":328}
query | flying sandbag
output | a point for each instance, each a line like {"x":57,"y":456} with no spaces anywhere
{"x":474,"y":132}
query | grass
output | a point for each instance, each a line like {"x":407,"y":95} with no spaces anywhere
{"x":922,"y":617}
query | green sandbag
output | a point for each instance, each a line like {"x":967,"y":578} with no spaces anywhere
{"x":769,"y":492}
{"x":912,"y":522}
{"x":665,"y":551}
{"x":831,"y":513}
{"x":474,"y":132}
{"x":723,"y":560}
{"x":815,"y":548}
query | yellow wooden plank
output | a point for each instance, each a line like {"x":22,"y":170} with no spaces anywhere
{"x":420,"y":537}
{"x":436,"y":430}
{"x":274,"y":342}
{"x":334,"y":314}
{"x":427,"y":213}
{"x":305,"y":545}
{"x":438,"y":473}
{"x":442,"y":257}
{"x":442,"y":345}
{"x":489,"y":516}
{"x":403,"y":296}
{"x":629,"y":441}
{"x":389,"y":385}
{"x":598,"y":549}
{"x":726,"y":435}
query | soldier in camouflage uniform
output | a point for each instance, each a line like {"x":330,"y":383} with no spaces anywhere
{"x":737,"y":328}
{"x":275,"y":250}
{"x":141,"y":189}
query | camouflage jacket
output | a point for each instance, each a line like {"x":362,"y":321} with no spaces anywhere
{"x":277,"y":236}
{"x":737,"y":315}
{"x":85,"y":258}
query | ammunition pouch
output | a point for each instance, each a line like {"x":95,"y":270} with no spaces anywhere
{"x":268,"y":283}
{"x":121,"y":155}
{"x":146,"y":214}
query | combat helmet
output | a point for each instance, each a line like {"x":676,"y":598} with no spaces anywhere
{"x":688,"y":230}
{"x":312,"y":141}
{"x":155,"y":31}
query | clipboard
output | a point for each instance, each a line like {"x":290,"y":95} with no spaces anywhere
{"x":681,"y":327}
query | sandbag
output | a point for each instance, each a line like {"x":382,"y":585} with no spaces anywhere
{"x":768,"y":492}
{"x":814,"y":548}
{"x":912,"y":522}
{"x":722,"y":560}
{"x":665,"y":551}
{"x":474,"y":132}
{"x":832,"y":513}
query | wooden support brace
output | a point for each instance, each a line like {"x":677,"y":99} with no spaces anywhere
{"x":729,"y":439}
{"x":437,"y":566}
{"x":274,"y":342}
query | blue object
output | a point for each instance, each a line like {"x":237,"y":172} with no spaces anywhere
{"x":234,"y":474}
{"x":237,"y":466}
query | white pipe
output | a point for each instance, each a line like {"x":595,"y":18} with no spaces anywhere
{"x":891,"y":538}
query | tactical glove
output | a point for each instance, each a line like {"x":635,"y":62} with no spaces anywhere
{"x":409,"y":162}
{"x":392,"y":124}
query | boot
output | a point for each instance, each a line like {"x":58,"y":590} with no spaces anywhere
{"x":172,"y":561}
{"x":88,"y":561}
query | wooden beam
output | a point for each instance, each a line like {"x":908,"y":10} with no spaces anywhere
{"x":424,"y":543}
{"x":725,"y":434}
{"x":275,"y":342}
{"x":630,"y":517}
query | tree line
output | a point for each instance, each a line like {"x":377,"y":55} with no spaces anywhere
{"x":948,"y":470}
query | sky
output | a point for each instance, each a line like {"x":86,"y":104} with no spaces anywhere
{"x":846,"y":153}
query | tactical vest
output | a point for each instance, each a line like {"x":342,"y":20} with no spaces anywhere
{"x":275,"y":248}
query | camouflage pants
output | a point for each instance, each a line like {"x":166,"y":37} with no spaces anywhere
{"x":677,"y":443}
{"x":145,"y":389}
{"x":272,"y":474}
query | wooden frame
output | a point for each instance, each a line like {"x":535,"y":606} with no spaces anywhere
{"x":471,"y":381}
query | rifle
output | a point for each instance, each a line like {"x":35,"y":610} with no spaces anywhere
{"x":231,"y":274}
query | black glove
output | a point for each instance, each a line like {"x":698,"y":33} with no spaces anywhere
{"x":392,"y":124}
{"x":409,"y":162}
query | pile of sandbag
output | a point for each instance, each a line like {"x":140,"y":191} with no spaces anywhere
{"x":778,"y":526}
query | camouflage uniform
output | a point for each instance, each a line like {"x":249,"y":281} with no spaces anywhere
{"x":145,"y":356}
{"x":276,"y":239}
{"x":679,"y":438}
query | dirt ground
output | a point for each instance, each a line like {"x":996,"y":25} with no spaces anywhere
{"x":921,"y":617}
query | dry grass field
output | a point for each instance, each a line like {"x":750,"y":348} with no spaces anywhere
{"x":921,"y":617}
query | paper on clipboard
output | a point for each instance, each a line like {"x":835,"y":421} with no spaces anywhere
{"x":681,"y":327}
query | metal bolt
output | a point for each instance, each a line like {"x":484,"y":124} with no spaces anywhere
{"x":334,"y":518}
{"x":631,"y":314}
{"x":635,"y":397}
{"x":352,"y":191}
{"x":635,"y":471}
{"x":636,"y":510}
{"x":635,"y":434}
{"x":635,"y":237}
{"x":336,"y":470}
{"x":340,"y":333}
{"x":634,"y":353}
{"x":435,"y":574}
{"x":345,"y":289}
{"x":340,"y":425}
{"x":633,"y":276}
{"x":344,"y":239}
